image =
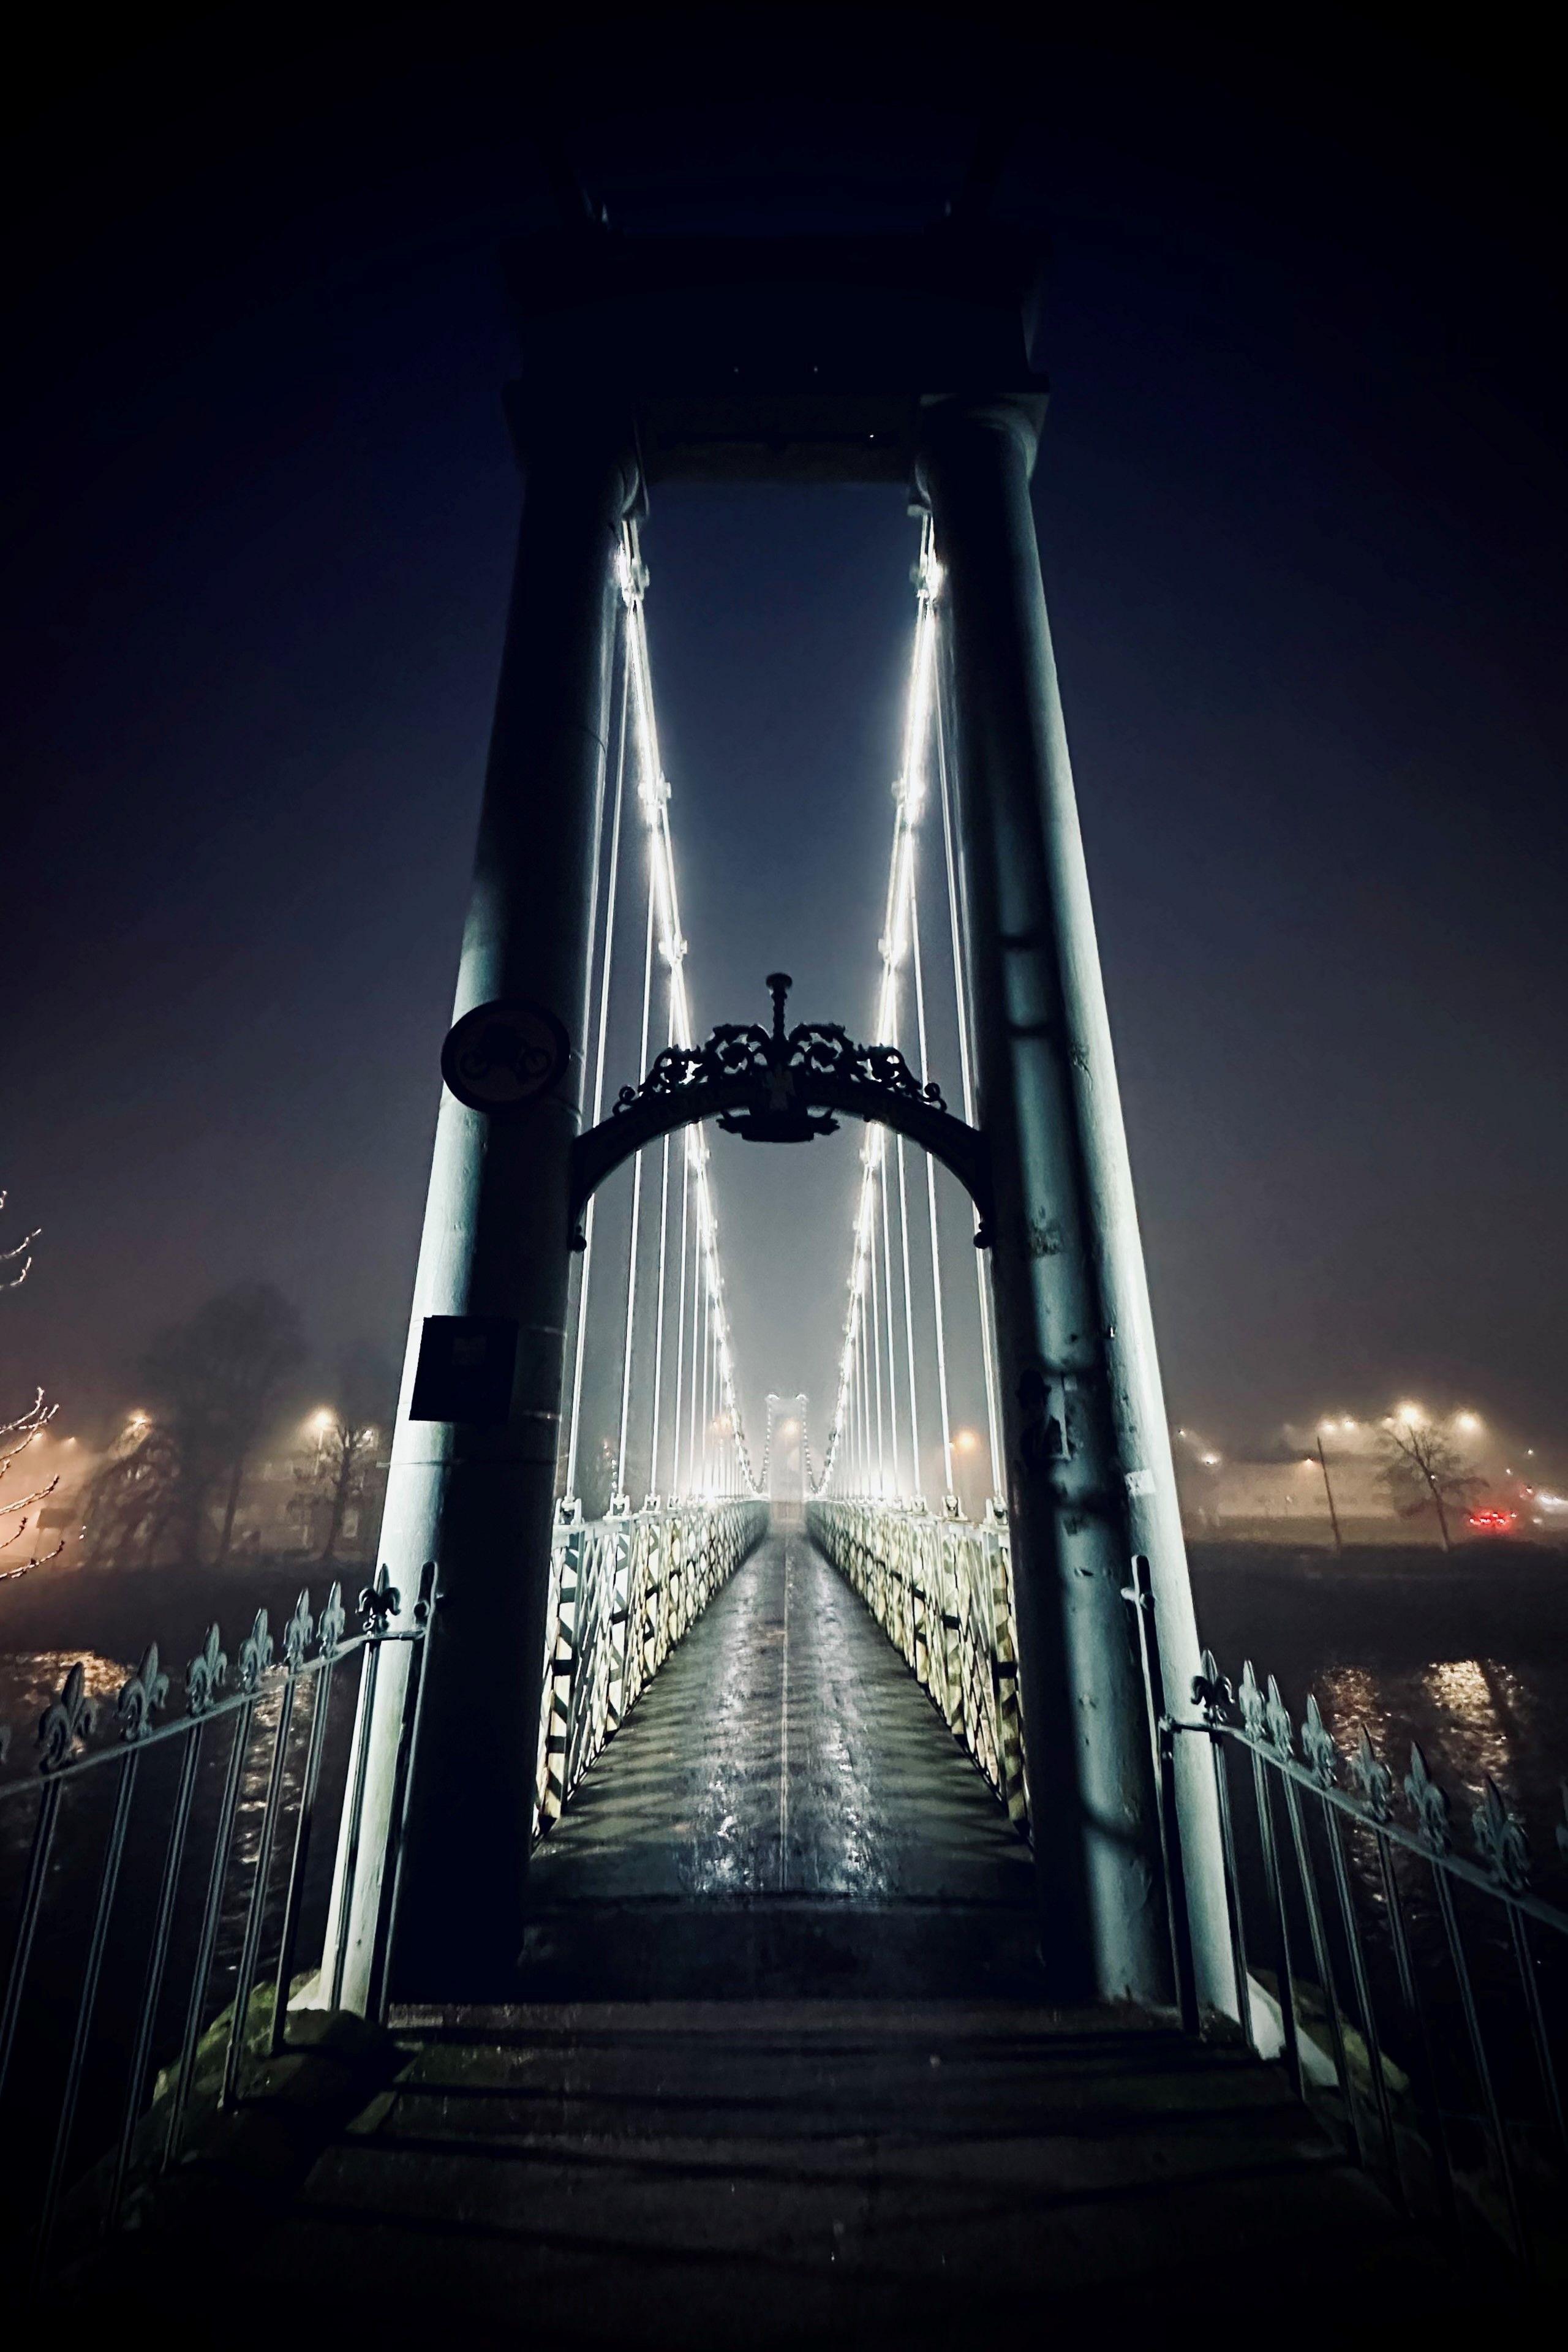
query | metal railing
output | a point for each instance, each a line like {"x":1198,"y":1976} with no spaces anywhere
{"x":941,"y":1588}
{"x":158,"y":1937}
{"x":623,"y":1590}
{"x":1418,"y":1993}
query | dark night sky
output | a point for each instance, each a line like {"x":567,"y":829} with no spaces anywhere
{"x":1301,"y":499}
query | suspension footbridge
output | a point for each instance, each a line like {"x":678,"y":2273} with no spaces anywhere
{"x":816,"y":1861}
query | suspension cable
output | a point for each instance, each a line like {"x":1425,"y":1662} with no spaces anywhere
{"x":884,"y":1218}
{"x":680,"y":1321}
{"x":621,"y":1487}
{"x":659,"y":1320}
{"x":908,"y":795}
{"x":931,"y":1199}
{"x":875,"y":1318}
{"x":608,"y":951}
{"x":653,"y":790}
{"x":957,"y":911}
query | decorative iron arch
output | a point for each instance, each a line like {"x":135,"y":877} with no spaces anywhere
{"x":780,"y":1086}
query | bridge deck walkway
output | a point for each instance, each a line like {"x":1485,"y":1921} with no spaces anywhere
{"x":785,"y":1812}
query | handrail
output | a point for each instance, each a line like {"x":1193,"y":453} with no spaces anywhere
{"x":182,"y":1726}
{"x":1481,"y":2103}
{"x":189,"y":1972}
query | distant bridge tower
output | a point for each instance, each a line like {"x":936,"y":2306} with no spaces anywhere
{"x":902,"y":360}
{"x":786,"y":1459}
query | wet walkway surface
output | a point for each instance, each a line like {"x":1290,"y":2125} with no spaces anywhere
{"x":783,"y":1812}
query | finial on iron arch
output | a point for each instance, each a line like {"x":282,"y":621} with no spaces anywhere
{"x":779,"y":984}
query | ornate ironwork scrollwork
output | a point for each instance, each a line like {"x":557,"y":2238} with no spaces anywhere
{"x":782,"y":1064}
{"x":782,"y":1085}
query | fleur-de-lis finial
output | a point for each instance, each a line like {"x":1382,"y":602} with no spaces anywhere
{"x":66,"y":1720}
{"x":1277,"y":1719}
{"x":205,"y":1675}
{"x":379,"y":1602}
{"x":297,"y":1634}
{"x":141,"y":1696}
{"x":330,"y":1626}
{"x":1428,"y":1803}
{"x":255,"y":1654}
{"x":1501,"y":1841}
{"x":1317,"y":1745}
{"x":1372,"y":1779}
{"x":1250,"y":1698}
{"x":1212,"y":1691}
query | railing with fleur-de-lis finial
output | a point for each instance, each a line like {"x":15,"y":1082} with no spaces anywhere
{"x":1414,"y":1984}
{"x":188,"y":1947}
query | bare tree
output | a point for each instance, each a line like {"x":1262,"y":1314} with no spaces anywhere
{"x":211,"y":1381}
{"x":138,"y":1498}
{"x":1424,"y":1470}
{"x":19,"y":1435}
{"x":340,"y":1475}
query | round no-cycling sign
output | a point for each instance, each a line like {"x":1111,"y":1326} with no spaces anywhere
{"x":503,"y":1055}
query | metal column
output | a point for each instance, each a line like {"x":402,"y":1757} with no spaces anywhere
{"x":481,"y":1501}
{"x":1090,"y":1480}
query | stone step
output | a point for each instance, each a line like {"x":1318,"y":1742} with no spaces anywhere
{"x":765,"y":2175}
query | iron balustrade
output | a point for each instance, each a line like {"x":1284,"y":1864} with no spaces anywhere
{"x":623,"y":1590}
{"x":1416,"y":1992}
{"x":204,"y":1962}
{"x":942,"y":1590}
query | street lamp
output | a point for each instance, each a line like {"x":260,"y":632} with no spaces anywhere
{"x":1334,"y":1515}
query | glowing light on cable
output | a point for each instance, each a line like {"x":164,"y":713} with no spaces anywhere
{"x":653,"y":799}
{"x":893,"y":946}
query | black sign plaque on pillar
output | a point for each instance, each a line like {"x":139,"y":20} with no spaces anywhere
{"x":464,"y":1370}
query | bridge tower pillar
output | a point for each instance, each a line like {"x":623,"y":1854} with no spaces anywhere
{"x":1089,"y":1472}
{"x":473,"y":1489}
